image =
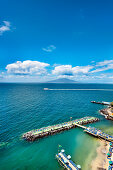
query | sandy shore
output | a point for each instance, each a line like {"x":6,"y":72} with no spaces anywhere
{"x":101,"y":162}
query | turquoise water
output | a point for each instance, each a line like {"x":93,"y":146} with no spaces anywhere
{"x":24,"y":107}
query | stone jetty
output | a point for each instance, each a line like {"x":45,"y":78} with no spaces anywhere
{"x":50,"y":130}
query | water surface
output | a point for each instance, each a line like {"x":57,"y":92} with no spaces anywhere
{"x":24,"y":107}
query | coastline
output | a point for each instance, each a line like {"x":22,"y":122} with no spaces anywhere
{"x":107,"y":113}
{"x":101,"y":162}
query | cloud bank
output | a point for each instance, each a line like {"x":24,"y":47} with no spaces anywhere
{"x":41,"y":71}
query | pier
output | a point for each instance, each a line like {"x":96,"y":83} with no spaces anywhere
{"x":103,"y":103}
{"x":66,"y":161}
{"x":50,"y":130}
{"x":98,"y":133}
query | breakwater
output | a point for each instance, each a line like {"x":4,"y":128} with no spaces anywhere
{"x":50,"y":130}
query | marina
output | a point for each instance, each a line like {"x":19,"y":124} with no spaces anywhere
{"x":50,"y":130}
{"x":98,"y":133}
{"x":66,"y":161}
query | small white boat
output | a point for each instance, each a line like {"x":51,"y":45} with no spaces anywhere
{"x":46,"y":89}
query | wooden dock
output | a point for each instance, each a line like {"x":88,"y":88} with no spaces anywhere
{"x":50,"y":130}
{"x":66,"y":161}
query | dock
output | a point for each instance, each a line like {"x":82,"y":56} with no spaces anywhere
{"x":66,"y":161}
{"x":98,"y":133}
{"x":103,"y":103}
{"x":50,"y":130}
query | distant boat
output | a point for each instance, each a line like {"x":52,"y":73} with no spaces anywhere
{"x":46,"y":89}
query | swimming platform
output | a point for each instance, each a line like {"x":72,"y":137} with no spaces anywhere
{"x":66,"y":161}
{"x":98,"y":133}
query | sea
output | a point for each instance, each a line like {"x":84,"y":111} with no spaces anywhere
{"x":27,"y":106}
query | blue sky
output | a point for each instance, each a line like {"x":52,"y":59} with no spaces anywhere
{"x":42,"y":40}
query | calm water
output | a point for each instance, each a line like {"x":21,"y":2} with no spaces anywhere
{"x":24,"y":107}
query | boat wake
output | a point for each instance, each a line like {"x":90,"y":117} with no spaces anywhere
{"x":82,"y":89}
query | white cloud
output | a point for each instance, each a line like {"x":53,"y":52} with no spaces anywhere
{"x":5,"y":27}
{"x":103,"y":66}
{"x":63,"y":70}
{"x":82,"y":69}
{"x":110,"y":77}
{"x":49,"y":48}
{"x":99,"y":70}
{"x":69,"y":70}
{"x":105,"y":62}
{"x":1,"y":77}
{"x":27,"y":67}
{"x":38,"y":71}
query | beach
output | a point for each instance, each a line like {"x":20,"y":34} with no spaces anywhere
{"x":101,"y":161}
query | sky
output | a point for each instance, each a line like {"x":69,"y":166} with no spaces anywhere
{"x":41,"y":40}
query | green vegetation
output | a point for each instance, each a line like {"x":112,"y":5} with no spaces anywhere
{"x":111,"y":104}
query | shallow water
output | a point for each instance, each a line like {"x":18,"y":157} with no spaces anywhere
{"x":24,"y":107}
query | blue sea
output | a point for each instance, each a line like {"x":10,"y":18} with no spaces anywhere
{"x":24,"y":107}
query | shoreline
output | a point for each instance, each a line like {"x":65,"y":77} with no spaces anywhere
{"x":101,"y":161}
{"x":107,"y":113}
